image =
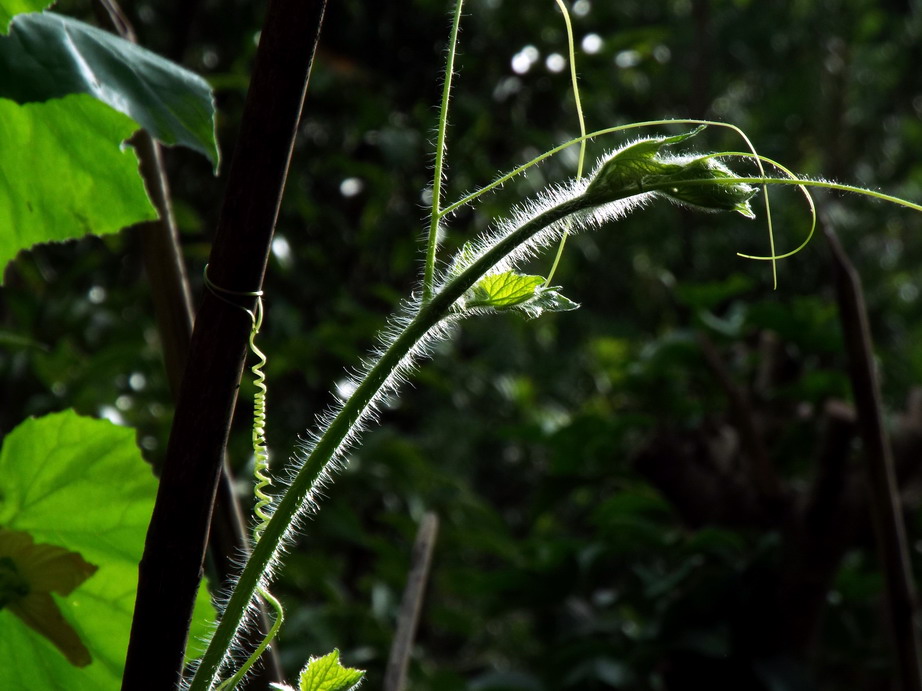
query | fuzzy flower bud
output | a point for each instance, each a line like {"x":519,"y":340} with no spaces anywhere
{"x":641,"y":168}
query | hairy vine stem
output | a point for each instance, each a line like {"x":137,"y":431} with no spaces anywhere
{"x":343,"y":425}
{"x":395,"y":360}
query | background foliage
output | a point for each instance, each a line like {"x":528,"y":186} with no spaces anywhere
{"x":567,"y":558}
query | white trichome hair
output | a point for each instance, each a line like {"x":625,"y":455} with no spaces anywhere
{"x":581,"y":218}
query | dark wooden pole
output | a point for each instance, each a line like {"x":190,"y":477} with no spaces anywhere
{"x":171,"y":568}
{"x":169,"y":283}
{"x":886,"y":507}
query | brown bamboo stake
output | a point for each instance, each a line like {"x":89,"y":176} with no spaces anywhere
{"x":171,"y":296}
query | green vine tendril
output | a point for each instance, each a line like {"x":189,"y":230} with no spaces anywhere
{"x":261,"y":476}
{"x":571,"y":50}
{"x":260,"y":449}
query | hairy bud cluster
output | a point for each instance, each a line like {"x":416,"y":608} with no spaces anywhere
{"x":702,"y":182}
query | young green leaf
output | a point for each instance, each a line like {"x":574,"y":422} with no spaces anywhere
{"x":326,"y":674}
{"x":720,"y":196}
{"x":514,"y":291}
{"x":502,"y":291}
{"x":49,"y":56}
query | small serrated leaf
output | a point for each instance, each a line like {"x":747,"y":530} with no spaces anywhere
{"x":504,"y":290}
{"x":550,"y":300}
{"x":521,"y":292}
{"x":327,"y":674}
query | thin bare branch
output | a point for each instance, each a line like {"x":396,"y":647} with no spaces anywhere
{"x":408,"y":618}
{"x":884,"y":493}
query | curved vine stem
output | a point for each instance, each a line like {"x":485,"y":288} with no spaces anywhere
{"x":506,"y":177}
{"x":232,"y":682}
{"x":799,"y":182}
{"x":342,"y":426}
{"x":393,"y":361}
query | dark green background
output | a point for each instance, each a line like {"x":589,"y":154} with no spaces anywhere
{"x":560,"y":564}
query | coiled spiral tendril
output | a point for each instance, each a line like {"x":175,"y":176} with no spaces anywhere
{"x":261,"y":476}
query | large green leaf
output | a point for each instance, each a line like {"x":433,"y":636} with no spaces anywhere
{"x":79,"y":484}
{"x":10,"y":8}
{"x":64,"y":173}
{"x":48,"y":56}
